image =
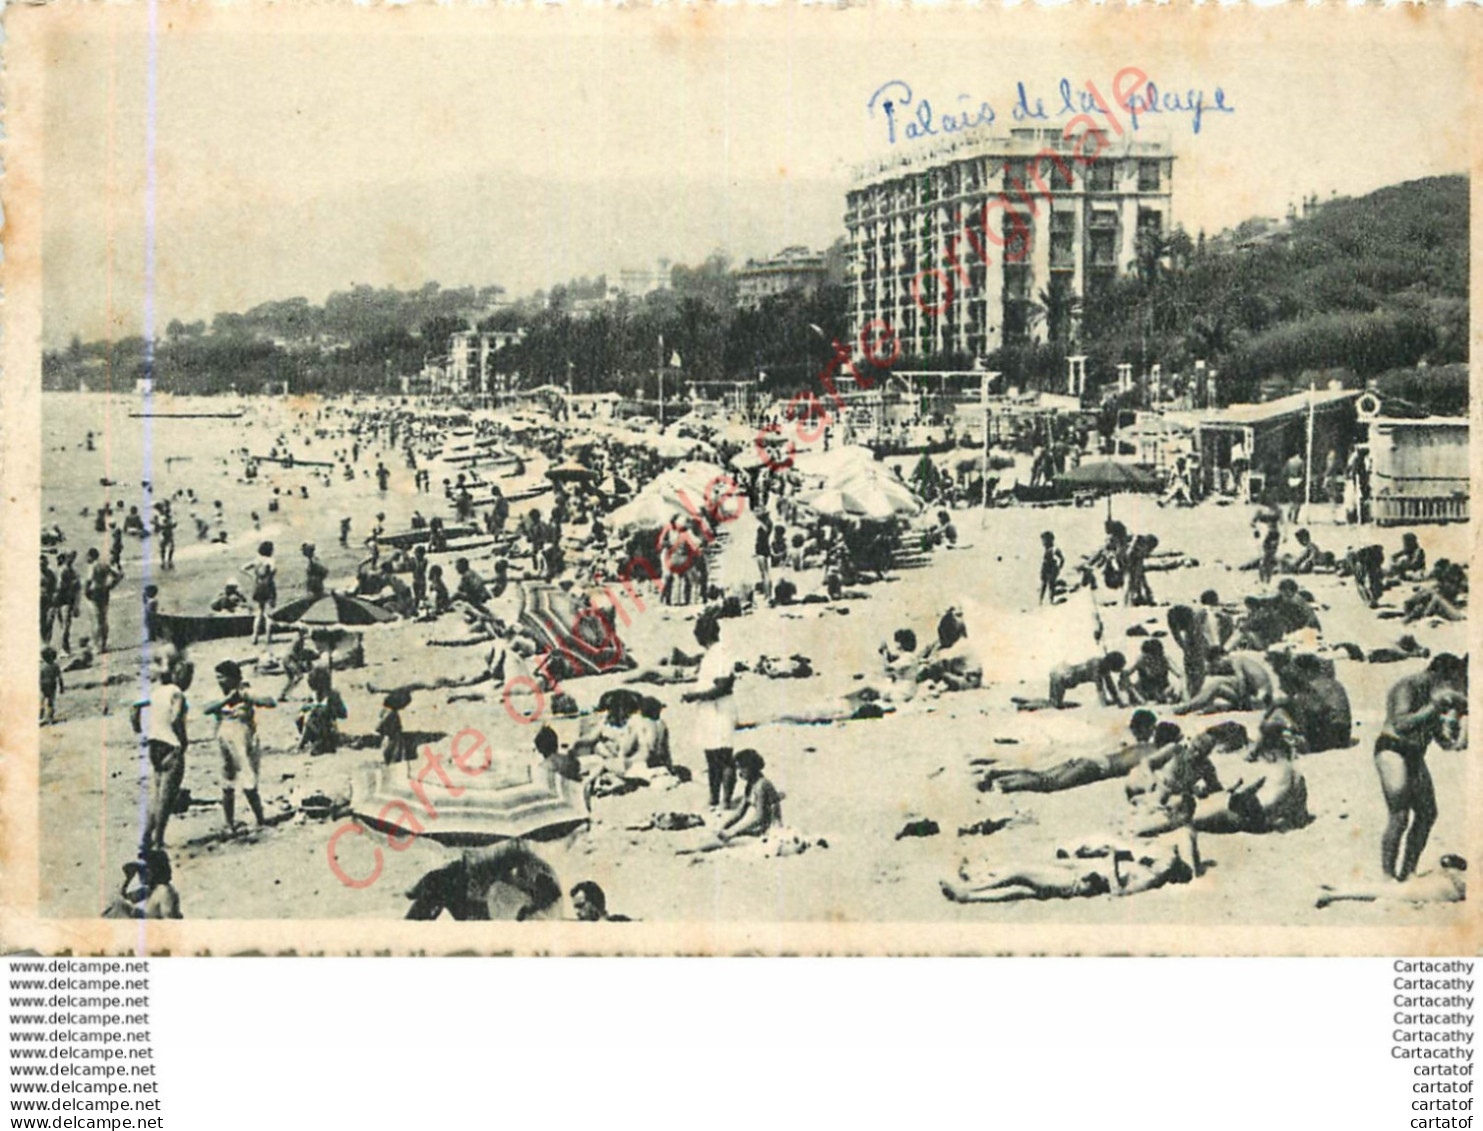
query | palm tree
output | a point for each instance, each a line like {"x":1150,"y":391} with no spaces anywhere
{"x":1057,"y":309}
{"x":1151,"y":250}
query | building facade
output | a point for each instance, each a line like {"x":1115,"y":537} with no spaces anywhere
{"x":470,"y":369}
{"x":793,"y":268}
{"x":1062,"y":228}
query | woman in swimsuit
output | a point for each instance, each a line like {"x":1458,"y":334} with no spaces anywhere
{"x":264,"y":573}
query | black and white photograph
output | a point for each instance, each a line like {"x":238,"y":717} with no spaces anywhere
{"x":734,"y":481}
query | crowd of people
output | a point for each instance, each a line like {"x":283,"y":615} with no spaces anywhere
{"x":484,"y":574}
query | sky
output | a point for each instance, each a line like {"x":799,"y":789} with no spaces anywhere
{"x":300,"y":153}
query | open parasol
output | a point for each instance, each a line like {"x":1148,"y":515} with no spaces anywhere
{"x":502,"y":795}
{"x":334,"y":608}
{"x":1110,"y":475}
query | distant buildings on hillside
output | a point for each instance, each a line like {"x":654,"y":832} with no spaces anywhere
{"x":792,"y":269}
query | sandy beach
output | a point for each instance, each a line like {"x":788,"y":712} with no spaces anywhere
{"x":853,"y":785}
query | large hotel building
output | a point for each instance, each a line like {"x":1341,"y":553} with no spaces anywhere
{"x":902,"y":214}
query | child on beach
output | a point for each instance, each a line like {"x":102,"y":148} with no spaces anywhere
{"x":438,"y":591}
{"x":1051,"y":563}
{"x":236,"y":735}
{"x":394,"y":746}
{"x":51,"y":684}
{"x":152,"y":612}
{"x":1147,"y":681}
{"x":1101,"y":671}
{"x":318,"y":732}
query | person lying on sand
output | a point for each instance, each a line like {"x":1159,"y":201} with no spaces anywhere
{"x":1237,"y":682}
{"x":1083,"y":771}
{"x":506,"y":882}
{"x":1449,"y":885}
{"x":590,"y":904}
{"x":1118,"y":870}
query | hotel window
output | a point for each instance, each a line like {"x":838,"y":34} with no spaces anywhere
{"x":1018,"y":235}
{"x":1062,"y":239}
{"x":1060,"y":175}
{"x":1150,"y":220}
{"x":1103,"y":176}
{"x":1016,"y":283}
{"x":1104,"y":248}
{"x":1149,"y":176}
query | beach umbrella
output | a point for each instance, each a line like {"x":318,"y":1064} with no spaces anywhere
{"x":1110,"y":475}
{"x":878,"y":483}
{"x":644,"y":512}
{"x":666,"y":496}
{"x":503,"y":795}
{"x":570,"y":472}
{"x":334,"y":608}
{"x":855,"y":501}
{"x":579,"y":639}
{"x":836,"y":462}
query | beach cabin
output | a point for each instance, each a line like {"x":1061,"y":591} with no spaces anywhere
{"x":1419,"y":465}
{"x":1242,"y":448}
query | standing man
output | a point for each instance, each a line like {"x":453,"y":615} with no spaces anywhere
{"x":102,"y":578}
{"x":1295,"y":473}
{"x":165,"y":528}
{"x":64,"y":604}
{"x":48,"y":598}
{"x":762,"y":551}
{"x":419,"y":576}
{"x":1420,"y":708}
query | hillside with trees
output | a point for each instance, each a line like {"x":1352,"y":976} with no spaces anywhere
{"x":1360,"y":286}
{"x":1356,"y":288}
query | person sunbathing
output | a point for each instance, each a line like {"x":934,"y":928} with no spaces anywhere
{"x":505,"y":882}
{"x":1083,"y":771}
{"x":1309,"y":558}
{"x":1316,"y":703}
{"x":1237,"y":682}
{"x":761,"y":809}
{"x":147,"y":891}
{"x":1089,"y":870}
{"x":1442,"y":599}
{"x":1147,"y":681}
{"x":1449,"y":885}
{"x":1274,"y":801}
{"x":901,"y":662}
{"x":1409,"y":562}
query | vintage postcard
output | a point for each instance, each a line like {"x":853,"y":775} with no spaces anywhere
{"x":711,"y":480}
